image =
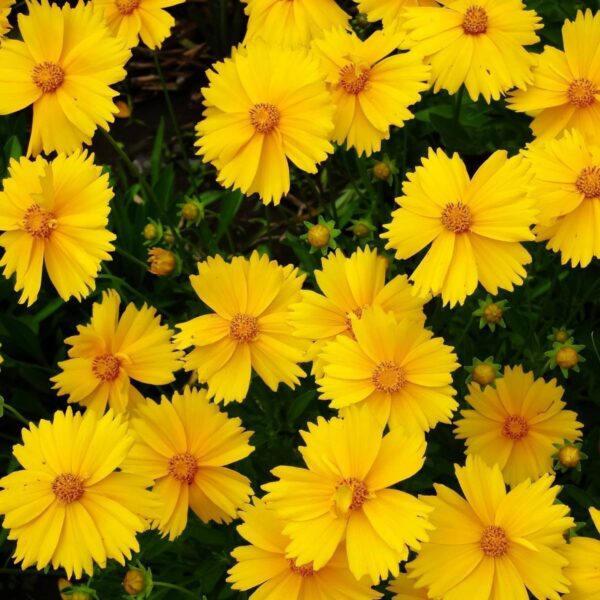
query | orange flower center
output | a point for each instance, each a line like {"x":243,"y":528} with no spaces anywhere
{"x":353,"y":79}
{"x":106,"y":367}
{"x":494,"y":542}
{"x":515,"y":427}
{"x":243,"y":328}
{"x":456,"y":217}
{"x":126,"y":7}
{"x":582,"y":93}
{"x":264,"y":117}
{"x":588,"y":182}
{"x":350,"y":494}
{"x":388,"y":377}
{"x":303,"y":570}
{"x":48,"y":76}
{"x":183,"y":467}
{"x":475,"y":21}
{"x":67,"y":488}
{"x":38,"y":222}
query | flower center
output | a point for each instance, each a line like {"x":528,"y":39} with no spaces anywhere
{"x":106,"y":367}
{"x":67,"y":488}
{"x":348,"y":319}
{"x":456,"y":217}
{"x":588,"y":182}
{"x":126,"y":7}
{"x":350,"y":494}
{"x":264,"y":117}
{"x":494,"y":542}
{"x":353,"y":79}
{"x":582,"y":93}
{"x":48,"y":76}
{"x":303,"y":570}
{"x":243,"y":328}
{"x":475,"y":21}
{"x":38,"y":222}
{"x":183,"y":467}
{"x":515,"y":427}
{"x":388,"y":377}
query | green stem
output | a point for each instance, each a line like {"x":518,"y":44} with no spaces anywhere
{"x":132,"y":258}
{"x":16,"y":414}
{"x":172,"y":586}
{"x":269,"y":227}
{"x":458,"y":104}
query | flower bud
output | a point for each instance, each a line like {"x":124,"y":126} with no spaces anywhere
{"x":567,"y":357}
{"x":151,"y":231}
{"x":318,"y":236}
{"x":360,"y":230}
{"x":190,"y":211}
{"x":162,"y":262}
{"x":382,"y":171}
{"x":569,"y":456}
{"x":64,"y":584}
{"x":134,"y":582}
{"x":483,"y":374}
{"x":493,"y":313}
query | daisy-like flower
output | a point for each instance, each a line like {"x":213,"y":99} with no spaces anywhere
{"x":69,"y":506}
{"x":292,"y":24}
{"x":370,"y":88}
{"x":263,"y":564}
{"x":566,"y":186}
{"x":64,"y":67}
{"x":184,"y":445}
{"x":132,"y":20}
{"x":248,"y":328}
{"x":253,"y":125}
{"x":397,"y":368}
{"x":391,"y":12}
{"x":109,"y":352}
{"x":474,"y":226}
{"x":404,"y":588}
{"x":349,"y":285}
{"x":565,"y":92}
{"x":481,"y":44}
{"x":5,"y":6}
{"x":493,"y":544}
{"x":55,"y":214}
{"x":345,"y":495}
{"x":516,"y":424}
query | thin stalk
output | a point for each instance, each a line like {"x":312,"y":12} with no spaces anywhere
{"x":16,"y":414}
{"x":458,"y":104}
{"x":172,"y":586}
{"x":132,"y":258}
{"x":269,"y":227}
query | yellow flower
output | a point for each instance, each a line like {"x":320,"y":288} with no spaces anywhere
{"x":69,"y":506}
{"x":516,"y":424}
{"x":162,"y":262}
{"x":565,"y":92}
{"x":583,"y":554}
{"x":248,"y":329}
{"x":55,"y":213}
{"x":184,"y":444}
{"x":404,"y":589}
{"x":64,"y":67}
{"x":5,"y":6}
{"x":292,"y":24}
{"x":263,"y":563}
{"x":345,"y":495}
{"x":474,"y":226}
{"x":567,"y":187}
{"x":349,"y":286}
{"x":370,"y":89}
{"x":253,"y":124}
{"x":493,"y":544}
{"x":391,"y":12}
{"x":109,"y":352}
{"x":480,"y":44}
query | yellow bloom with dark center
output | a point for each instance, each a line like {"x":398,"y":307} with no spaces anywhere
{"x":110,"y":351}
{"x":248,"y":327}
{"x":265,"y":106}
{"x":70,"y":506}
{"x":184,"y":444}
{"x":263,"y":564}
{"x":5,"y":6}
{"x":404,"y":588}
{"x":391,"y":12}
{"x":345,"y":495}
{"x":55,"y":214}
{"x":565,"y":92}
{"x":479,"y":44}
{"x":475,"y":226}
{"x":397,"y":368}
{"x":349,"y":285}
{"x":370,"y":87}
{"x":566,"y":186}
{"x":516,"y":424}
{"x":64,"y":67}
{"x":492,"y":544}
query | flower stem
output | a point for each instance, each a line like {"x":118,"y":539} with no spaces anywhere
{"x":172,"y":586}
{"x":458,"y":104}
{"x":16,"y":414}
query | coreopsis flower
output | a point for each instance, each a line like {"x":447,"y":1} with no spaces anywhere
{"x":516,"y":424}
{"x":349,"y":285}
{"x":492,"y":544}
{"x":55,"y":214}
{"x":248,"y":328}
{"x":64,"y":67}
{"x":162,"y":262}
{"x":184,"y":445}
{"x":69,"y":506}
{"x":397,"y":368}
{"x":371,"y":88}
{"x":344,"y":495}
{"x":391,"y":12}
{"x":264,"y":564}
{"x":475,"y":226}
{"x":132,"y":20}
{"x":253,"y":127}
{"x":404,"y":588}
{"x":110,"y":351}
{"x":480,"y":45}
{"x":566,"y":185}
{"x":565,"y":92}
{"x":292,"y":24}
{"x":5,"y":6}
